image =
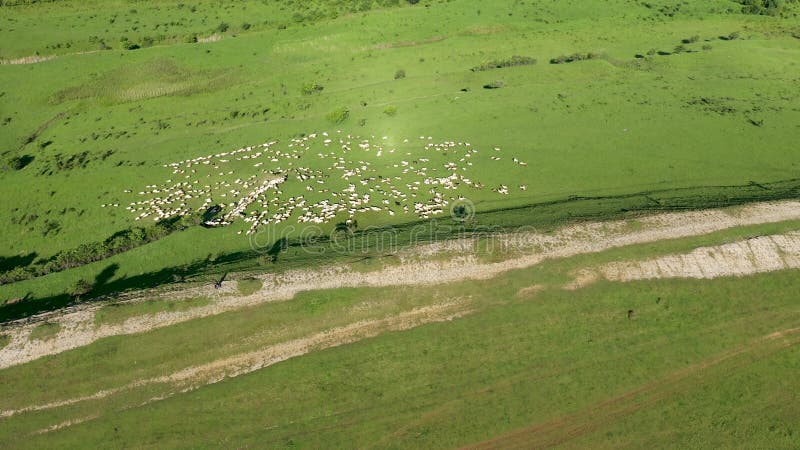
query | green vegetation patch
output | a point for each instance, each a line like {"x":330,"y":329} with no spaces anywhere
{"x":154,"y":78}
{"x":249,"y":286}
{"x":566,"y":59}
{"x":510,"y":62}
{"x":118,"y":313}
{"x":45,"y":331}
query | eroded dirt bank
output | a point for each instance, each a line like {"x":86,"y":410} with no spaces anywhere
{"x":78,"y":327}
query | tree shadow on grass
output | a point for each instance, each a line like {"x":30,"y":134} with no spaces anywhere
{"x":105,"y":285}
{"x":12,"y":262}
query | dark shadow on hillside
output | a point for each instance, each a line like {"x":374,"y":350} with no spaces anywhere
{"x":279,"y":246}
{"x":12,"y":262}
{"x":105,"y":276}
{"x":104,"y":286}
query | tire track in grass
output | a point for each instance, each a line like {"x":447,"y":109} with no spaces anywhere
{"x":588,"y":420}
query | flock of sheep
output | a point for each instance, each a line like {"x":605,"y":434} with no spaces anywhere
{"x":316,"y":178}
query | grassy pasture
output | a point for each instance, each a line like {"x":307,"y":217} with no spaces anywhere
{"x":105,"y":122}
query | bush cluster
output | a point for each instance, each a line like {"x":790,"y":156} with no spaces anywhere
{"x":19,"y":162}
{"x":338,"y":115}
{"x":311,"y":88}
{"x":511,"y":62}
{"x":565,"y":59}
{"x":764,"y":7}
{"x":95,"y":251}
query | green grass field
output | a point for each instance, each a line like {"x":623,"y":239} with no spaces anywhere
{"x":174,"y":145}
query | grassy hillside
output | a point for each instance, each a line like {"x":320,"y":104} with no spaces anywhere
{"x":675,"y":96}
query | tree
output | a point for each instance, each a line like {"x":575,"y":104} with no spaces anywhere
{"x":19,"y":162}
{"x":339,"y":115}
{"x":81,"y":288}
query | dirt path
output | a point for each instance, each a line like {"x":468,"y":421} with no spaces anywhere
{"x":593,"y":418}
{"x":418,"y":267}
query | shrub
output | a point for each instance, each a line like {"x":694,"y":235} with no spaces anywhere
{"x":311,"y":88}
{"x":691,"y":40}
{"x":14,"y":275}
{"x":511,"y":62}
{"x":494,"y":85}
{"x":19,"y":162}
{"x":390,"y":110}
{"x":566,"y":59}
{"x":400,"y":74}
{"x":246,"y":26}
{"x":338,"y":115}
{"x":81,"y":287}
{"x":731,"y":37}
{"x":223,"y":27}
{"x":762,"y":7}
{"x":707,"y":47}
